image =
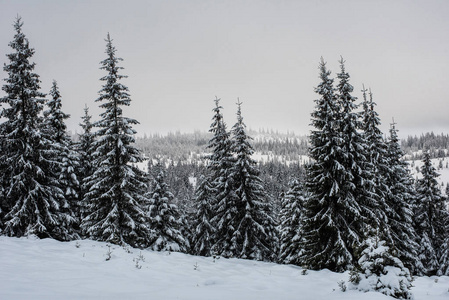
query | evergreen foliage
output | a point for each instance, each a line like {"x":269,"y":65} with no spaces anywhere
{"x":220,"y":164}
{"x":444,"y":250}
{"x":34,"y":203}
{"x":85,"y":150}
{"x":116,"y":189}
{"x":66,"y":157}
{"x":334,"y":213}
{"x":380,"y":270}
{"x":163,"y":217}
{"x":290,"y":227}
{"x":377,"y":162}
{"x":430,"y":215}
{"x":359,"y":188}
{"x":400,"y":201}
{"x":203,"y":230}
{"x":253,"y":228}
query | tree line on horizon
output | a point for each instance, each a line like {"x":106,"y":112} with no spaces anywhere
{"x":354,"y":208}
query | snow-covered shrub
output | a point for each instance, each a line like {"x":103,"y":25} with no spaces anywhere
{"x":379,"y":270}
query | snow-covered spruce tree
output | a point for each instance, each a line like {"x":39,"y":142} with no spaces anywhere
{"x":376,"y":162}
{"x":219,"y":167}
{"x":290,"y":226}
{"x":360,"y":172}
{"x":430,"y":215}
{"x":380,"y":270}
{"x":115,"y":199}
{"x":400,"y":201}
{"x":203,"y":230}
{"x":444,"y":251}
{"x":85,"y":150}
{"x":66,"y":156}
{"x":339,"y":206}
{"x":163,"y":216}
{"x":35,"y":203}
{"x":252,"y":225}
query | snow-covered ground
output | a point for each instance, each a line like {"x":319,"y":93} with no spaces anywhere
{"x":47,"y":269}
{"x":442,"y":169}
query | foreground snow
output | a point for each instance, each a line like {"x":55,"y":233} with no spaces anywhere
{"x":47,"y":269}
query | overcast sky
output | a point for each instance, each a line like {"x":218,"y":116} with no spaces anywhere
{"x":179,"y":55}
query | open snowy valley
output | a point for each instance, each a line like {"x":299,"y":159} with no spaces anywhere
{"x":47,"y":269}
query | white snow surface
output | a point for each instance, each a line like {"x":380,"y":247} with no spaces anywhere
{"x":47,"y":269}
{"x":443,"y":179}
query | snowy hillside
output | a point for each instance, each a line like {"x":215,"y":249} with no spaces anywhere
{"x":47,"y":269}
{"x":441,"y":165}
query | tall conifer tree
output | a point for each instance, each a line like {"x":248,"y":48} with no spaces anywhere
{"x":85,"y":151}
{"x":430,"y":215}
{"x":252,"y":226}
{"x":400,"y":201}
{"x":327,"y":212}
{"x":203,"y":229}
{"x":221,"y":161}
{"x":341,"y":205}
{"x":35,"y":204}
{"x":66,"y":157}
{"x":207,"y":192}
{"x":359,"y":187}
{"x":116,"y":197}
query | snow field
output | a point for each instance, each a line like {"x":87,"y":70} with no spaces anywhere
{"x":48,"y":269}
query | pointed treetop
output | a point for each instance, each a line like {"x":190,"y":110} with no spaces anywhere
{"x":324,"y":72}
{"x":217,"y":101}
{"x":18,"y":24}
{"x":371,"y":102}
{"x":239,"y":109}
{"x":393,"y":124}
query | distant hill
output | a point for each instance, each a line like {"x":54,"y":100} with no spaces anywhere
{"x":186,"y":146}
{"x":437,"y":144}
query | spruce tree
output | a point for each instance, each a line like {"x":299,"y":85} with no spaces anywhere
{"x":252,"y":226}
{"x":163,"y":216}
{"x":400,"y":201}
{"x":376,"y":163}
{"x":360,"y":172}
{"x":203,"y":229}
{"x":85,"y":150}
{"x":444,"y":250}
{"x":34,"y":202}
{"x":430,"y":215}
{"x":66,"y":157}
{"x":116,"y":190}
{"x":290,"y":226}
{"x":220,"y":163}
{"x":334,"y":216}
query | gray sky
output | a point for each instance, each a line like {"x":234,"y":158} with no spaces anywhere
{"x":179,"y":55}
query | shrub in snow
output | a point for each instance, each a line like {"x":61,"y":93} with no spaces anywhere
{"x":379,"y":270}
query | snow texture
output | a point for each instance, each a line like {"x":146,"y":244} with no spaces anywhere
{"x":48,"y":269}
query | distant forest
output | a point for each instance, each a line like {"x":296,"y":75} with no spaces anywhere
{"x":183,"y":154}
{"x":280,"y":146}
{"x":188,"y":146}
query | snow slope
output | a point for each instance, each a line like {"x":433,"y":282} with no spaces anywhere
{"x":443,"y":179}
{"x":47,"y":269}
